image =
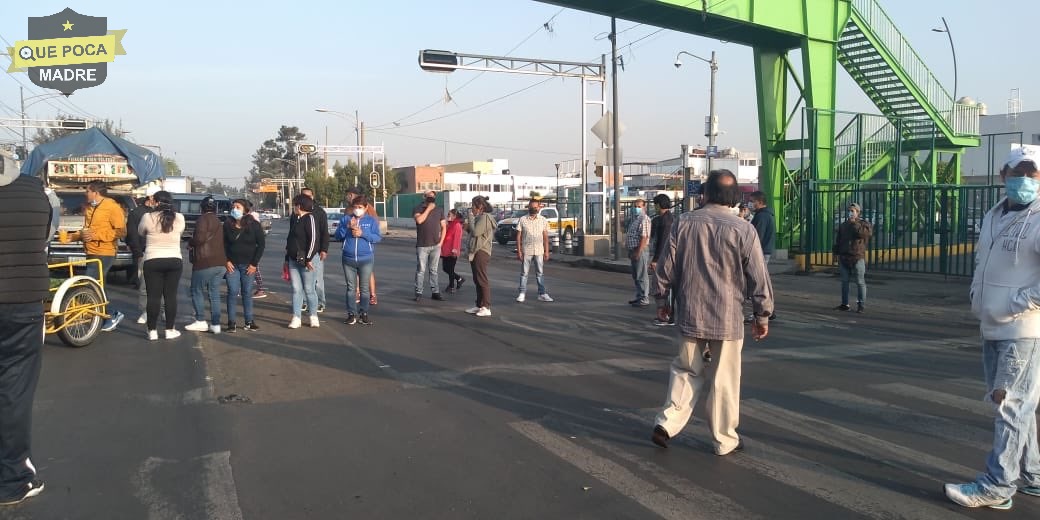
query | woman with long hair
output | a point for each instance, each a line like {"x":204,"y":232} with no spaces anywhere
{"x":481,"y":229}
{"x":301,"y":246}
{"x":451,"y":247}
{"x":163,"y":263}
{"x":244,"y":245}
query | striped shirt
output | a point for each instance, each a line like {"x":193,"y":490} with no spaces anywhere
{"x":638,"y":229}
{"x":711,"y":261}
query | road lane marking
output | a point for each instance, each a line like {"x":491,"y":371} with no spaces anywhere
{"x":823,"y":482}
{"x":906,"y":419}
{"x":826,"y":433}
{"x":975,"y":406}
{"x":661,"y":502}
{"x":201,"y":395}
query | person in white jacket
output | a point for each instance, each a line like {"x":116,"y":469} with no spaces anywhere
{"x":1005,"y":296}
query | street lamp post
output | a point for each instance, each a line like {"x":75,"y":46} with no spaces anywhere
{"x":712,"y":127}
{"x":359,"y":129}
{"x":953,"y":51}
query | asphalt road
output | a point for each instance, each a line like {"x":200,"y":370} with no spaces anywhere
{"x":543,"y":410}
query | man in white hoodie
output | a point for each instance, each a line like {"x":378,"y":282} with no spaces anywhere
{"x":1005,"y":296}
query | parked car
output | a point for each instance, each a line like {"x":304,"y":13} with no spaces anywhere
{"x":333,"y":223}
{"x":506,"y":231}
{"x":190,"y":205}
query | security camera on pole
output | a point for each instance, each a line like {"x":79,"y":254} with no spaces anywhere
{"x":711,"y":124}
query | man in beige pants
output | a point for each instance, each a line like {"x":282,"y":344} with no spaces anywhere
{"x":713,"y":259}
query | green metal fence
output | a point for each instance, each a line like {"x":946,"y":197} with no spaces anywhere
{"x":917,"y":228}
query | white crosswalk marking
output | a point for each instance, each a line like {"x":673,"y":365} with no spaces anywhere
{"x":827,"y":434}
{"x":906,"y":419}
{"x":975,"y":406}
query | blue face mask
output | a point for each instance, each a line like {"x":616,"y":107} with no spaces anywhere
{"x":1021,"y":190}
{"x":638,"y":210}
{"x":236,"y":214}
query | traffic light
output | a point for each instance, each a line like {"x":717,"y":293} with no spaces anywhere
{"x":373,"y":179}
{"x":438,"y":61}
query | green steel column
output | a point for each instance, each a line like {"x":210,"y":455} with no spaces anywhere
{"x":771,"y":77}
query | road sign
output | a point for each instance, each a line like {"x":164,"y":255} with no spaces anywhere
{"x":603,"y":129}
{"x":307,"y":148}
{"x":373,"y":179}
{"x":693,"y":188}
{"x":712,"y":151}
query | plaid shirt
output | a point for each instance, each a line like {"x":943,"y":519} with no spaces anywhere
{"x":638,"y":229}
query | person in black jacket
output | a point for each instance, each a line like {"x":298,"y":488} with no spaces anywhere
{"x":244,"y":245}
{"x":322,"y":220}
{"x":136,"y":242}
{"x":302,"y":248}
{"x":25,"y":215}
{"x":660,"y":230}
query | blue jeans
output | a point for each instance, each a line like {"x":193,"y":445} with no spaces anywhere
{"x":861,"y":281}
{"x":203,"y":281}
{"x":303,"y":286}
{"x":240,"y":284}
{"x":426,"y":260}
{"x":640,"y":274}
{"x":319,"y":279}
{"x":1013,"y":366}
{"x":355,"y":272}
{"x":539,"y":275}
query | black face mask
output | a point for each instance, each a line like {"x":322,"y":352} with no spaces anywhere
{"x":431,"y":200}
{"x":532,"y":211}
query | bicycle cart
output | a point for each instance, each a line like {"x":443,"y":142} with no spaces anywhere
{"x":76,"y":308}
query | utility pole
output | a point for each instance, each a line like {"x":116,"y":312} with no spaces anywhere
{"x":713,"y":122}
{"x":359,"y":127}
{"x":616,"y":152}
{"x":684,"y":163}
{"x":25,"y":141}
{"x":325,"y":161}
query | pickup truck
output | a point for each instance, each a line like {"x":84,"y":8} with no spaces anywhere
{"x":506,"y":231}
{"x":190,"y":205}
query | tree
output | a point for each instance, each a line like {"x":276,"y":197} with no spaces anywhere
{"x":172,"y":168}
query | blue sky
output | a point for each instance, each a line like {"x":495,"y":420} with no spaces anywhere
{"x":209,"y":81}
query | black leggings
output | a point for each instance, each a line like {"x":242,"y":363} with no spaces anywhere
{"x":161,"y":276}
{"x":448,"y":263}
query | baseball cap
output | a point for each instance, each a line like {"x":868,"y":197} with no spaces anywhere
{"x":857,"y":206}
{"x":1018,"y":155}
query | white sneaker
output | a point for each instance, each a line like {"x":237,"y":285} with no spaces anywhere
{"x":198,"y":326}
{"x":214,"y":329}
{"x":172,"y":333}
{"x":473,"y":310}
{"x":143,"y":319}
{"x":153,"y":335}
{"x":521,"y":297}
{"x":484,"y":312}
{"x":314,"y":322}
{"x":545,"y":297}
{"x":294,"y":323}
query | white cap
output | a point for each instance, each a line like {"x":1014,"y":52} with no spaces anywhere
{"x":1021,"y":154}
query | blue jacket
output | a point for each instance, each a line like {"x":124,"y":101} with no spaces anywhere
{"x":359,"y":249}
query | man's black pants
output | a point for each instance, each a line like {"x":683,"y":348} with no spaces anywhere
{"x":21,"y":341}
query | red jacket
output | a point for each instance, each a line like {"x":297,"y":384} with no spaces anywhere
{"x":452,"y":238}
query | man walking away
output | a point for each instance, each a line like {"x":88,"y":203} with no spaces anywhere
{"x":660,"y":229}
{"x":850,"y":247}
{"x":532,"y":239}
{"x":1005,"y":296}
{"x":712,"y":256}
{"x":429,"y":234}
{"x":636,"y":240}
{"x":24,"y":217}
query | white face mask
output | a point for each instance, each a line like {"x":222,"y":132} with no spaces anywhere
{"x":359,"y":212}
{"x":735,"y":210}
